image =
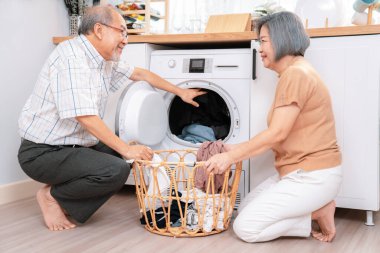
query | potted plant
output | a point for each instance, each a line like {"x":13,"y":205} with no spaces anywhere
{"x":269,"y":7}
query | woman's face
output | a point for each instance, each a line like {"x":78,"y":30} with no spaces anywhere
{"x":266,"y":50}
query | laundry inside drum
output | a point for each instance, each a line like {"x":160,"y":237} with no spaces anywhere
{"x":209,"y":122}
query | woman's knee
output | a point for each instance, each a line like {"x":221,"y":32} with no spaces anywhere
{"x":246,"y":229}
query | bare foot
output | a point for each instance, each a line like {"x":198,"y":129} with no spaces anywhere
{"x":53,"y":214}
{"x":325,"y":219}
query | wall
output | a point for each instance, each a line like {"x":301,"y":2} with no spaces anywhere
{"x":26,"y":29}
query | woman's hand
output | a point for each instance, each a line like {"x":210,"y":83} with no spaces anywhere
{"x":188,"y":95}
{"x":218,"y":163}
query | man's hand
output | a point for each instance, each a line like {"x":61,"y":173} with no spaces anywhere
{"x":139,"y":152}
{"x":188,"y":95}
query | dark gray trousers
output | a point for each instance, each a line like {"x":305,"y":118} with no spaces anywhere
{"x":82,"y":179}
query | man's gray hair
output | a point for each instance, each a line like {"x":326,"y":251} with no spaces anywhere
{"x":287,"y":34}
{"x":93,"y":15}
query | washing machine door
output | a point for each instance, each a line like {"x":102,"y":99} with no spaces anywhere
{"x":141,"y":115}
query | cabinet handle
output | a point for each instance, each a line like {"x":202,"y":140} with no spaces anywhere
{"x":254,"y":52}
{"x":226,"y":66}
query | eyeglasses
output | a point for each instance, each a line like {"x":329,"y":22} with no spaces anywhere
{"x":122,"y":31}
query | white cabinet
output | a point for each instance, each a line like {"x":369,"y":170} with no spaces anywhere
{"x":350,"y":67}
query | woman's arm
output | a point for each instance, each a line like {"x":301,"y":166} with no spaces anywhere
{"x":282,"y":122}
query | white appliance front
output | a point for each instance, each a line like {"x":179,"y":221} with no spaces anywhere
{"x":226,"y":77}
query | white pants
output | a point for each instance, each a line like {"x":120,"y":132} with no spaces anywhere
{"x":283,"y":206}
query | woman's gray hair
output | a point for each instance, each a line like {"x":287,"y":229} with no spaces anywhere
{"x":93,"y":15}
{"x":287,"y":34}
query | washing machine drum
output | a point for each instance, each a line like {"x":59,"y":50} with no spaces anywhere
{"x":141,"y":115}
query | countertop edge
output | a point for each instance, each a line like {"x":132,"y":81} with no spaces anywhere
{"x":204,"y":38}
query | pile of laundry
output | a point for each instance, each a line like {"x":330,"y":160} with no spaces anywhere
{"x":209,"y":122}
{"x":195,"y":212}
{"x":196,"y":208}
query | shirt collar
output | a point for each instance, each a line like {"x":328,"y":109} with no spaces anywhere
{"x":90,"y":50}
{"x":291,"y":63}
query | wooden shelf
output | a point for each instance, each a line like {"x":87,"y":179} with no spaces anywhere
{"x":133,"y":12}
{"x":141,"y":12}
{"x":148,"y":15}
{"x":133,"y":31}
{"x":157,"y":16}
{"x":343,"y":31}
{"x":200,"y":38}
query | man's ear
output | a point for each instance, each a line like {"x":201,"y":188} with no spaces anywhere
{"x":98,"y":31}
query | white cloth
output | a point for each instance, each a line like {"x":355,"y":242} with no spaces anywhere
{"x":156,"y":187}
{"x":283,"y":207}
{"x":211,"y":206}
{"x":74,"y":81}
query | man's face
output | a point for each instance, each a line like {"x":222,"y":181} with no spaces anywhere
{"x":115,"y":38}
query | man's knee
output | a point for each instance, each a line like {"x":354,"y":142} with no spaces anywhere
{"x":117,"y":173}
{"x":121,"y":171}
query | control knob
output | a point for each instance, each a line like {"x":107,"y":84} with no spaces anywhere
{"x":171,"y":63}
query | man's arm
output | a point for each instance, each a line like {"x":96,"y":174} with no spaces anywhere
{"x":187,"y":95}
{"x":95,"y":125}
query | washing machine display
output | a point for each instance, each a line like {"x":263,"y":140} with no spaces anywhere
{"x":225,"y":74}
{"x":195,"y":65}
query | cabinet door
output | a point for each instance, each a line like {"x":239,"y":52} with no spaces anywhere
{"x":262,"y":94}
{"x":350,"y":67}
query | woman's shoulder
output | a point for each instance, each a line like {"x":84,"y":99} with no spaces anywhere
{"x":299,"y":75}
{"x":300,"y":69}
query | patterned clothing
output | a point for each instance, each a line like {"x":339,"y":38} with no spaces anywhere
{"x":75,"y":81}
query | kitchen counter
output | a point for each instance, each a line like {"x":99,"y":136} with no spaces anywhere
{"x":238,"y":37}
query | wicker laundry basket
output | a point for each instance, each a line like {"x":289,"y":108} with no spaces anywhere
{"x":171,"y":205}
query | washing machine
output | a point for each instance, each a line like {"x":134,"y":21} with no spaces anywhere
{"x":157,"y":118}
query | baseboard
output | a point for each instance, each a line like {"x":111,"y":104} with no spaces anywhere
{"x":18,"y":190}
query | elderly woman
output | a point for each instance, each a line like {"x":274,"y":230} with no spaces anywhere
{"x":301,"y":133}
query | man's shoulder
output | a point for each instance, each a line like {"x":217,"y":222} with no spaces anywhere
{"x":71,"y":48}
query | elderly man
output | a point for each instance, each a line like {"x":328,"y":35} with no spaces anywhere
{"x":65,"y":143}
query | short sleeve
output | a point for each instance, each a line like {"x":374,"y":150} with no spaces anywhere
{"x":121,"y":72}
{"x":294,"y":87}
{"x":74,"y":90}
